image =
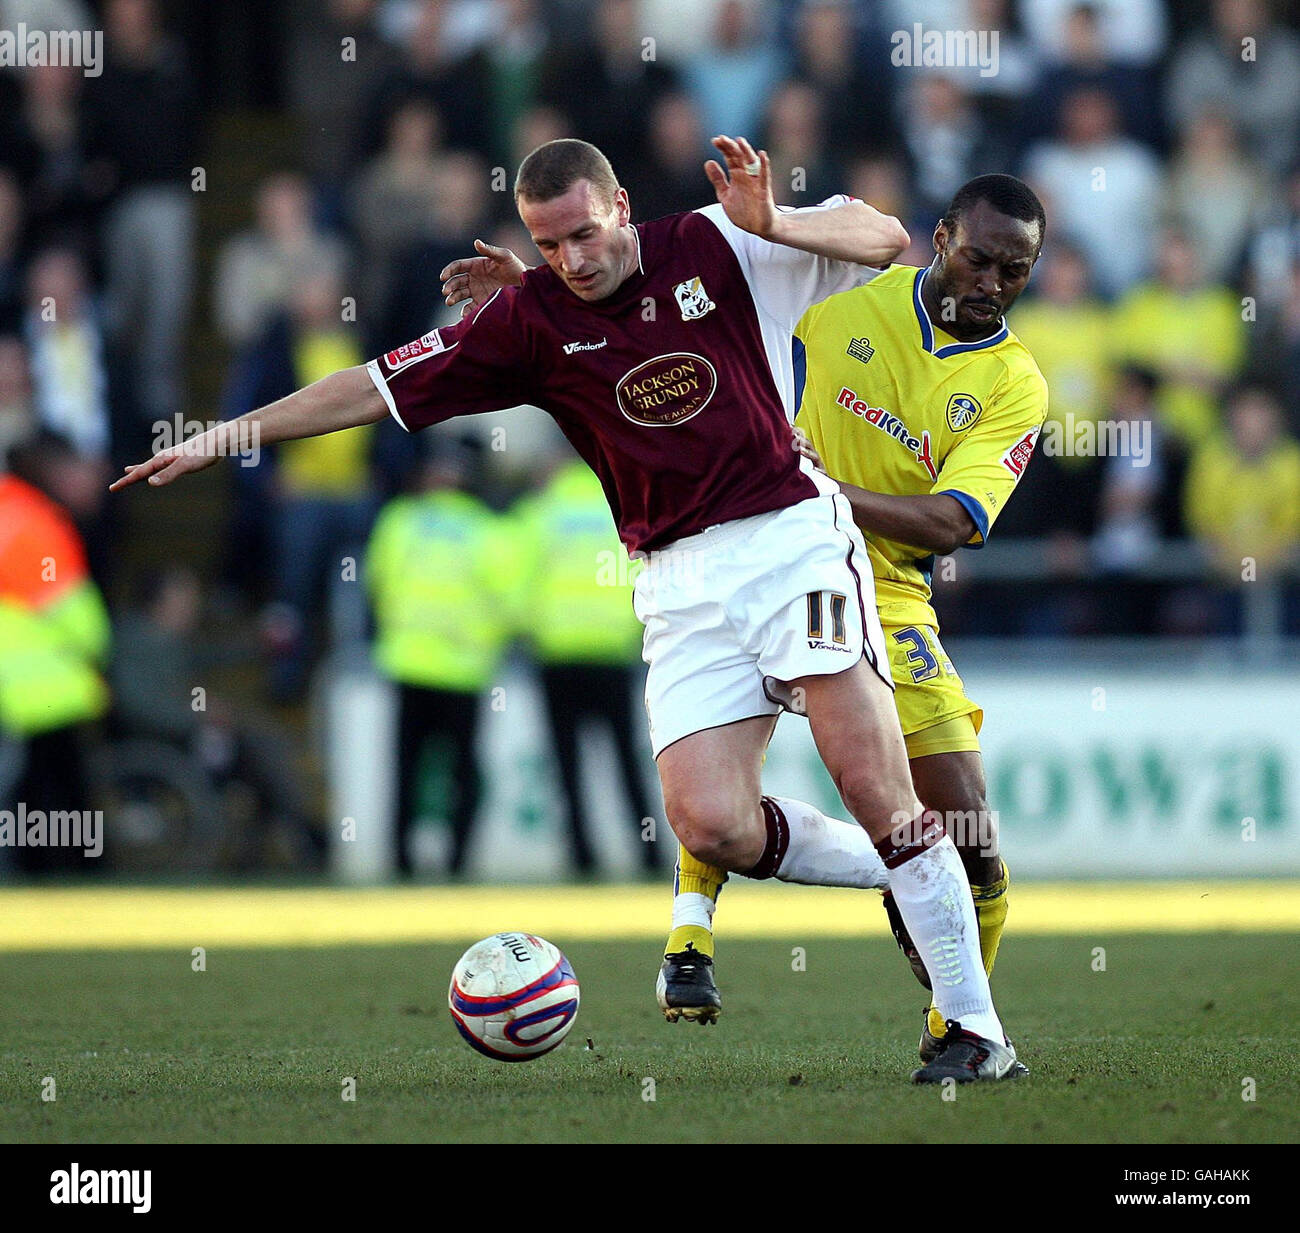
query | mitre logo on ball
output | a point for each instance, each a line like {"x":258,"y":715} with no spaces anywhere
{"x":668,"y":390}
{"x":692,"y":299}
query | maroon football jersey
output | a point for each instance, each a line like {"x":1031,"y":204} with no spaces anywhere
{"x":677,"y":390}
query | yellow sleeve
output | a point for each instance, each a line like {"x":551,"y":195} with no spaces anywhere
{"x":985,"y":466}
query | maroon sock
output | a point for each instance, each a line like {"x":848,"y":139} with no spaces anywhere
{"x":911,"y":839}
{"x":778,"y":840}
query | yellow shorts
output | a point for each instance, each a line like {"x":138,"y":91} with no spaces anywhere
{"x":933,"y":709}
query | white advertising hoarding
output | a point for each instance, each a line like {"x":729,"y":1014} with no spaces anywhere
{"x":1092,"y":772}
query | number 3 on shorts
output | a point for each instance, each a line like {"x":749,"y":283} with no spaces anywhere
{"x":839,"y":633}
{"x":920,"y":658}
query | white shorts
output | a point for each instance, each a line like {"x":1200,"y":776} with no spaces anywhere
{"x":736,"y":612}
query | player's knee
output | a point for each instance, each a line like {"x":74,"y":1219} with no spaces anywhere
{"x":708,"y":827}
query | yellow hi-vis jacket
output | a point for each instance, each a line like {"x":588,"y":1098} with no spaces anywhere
{"x":440,"y":568}
{"x":577,"y":579}
{"x":48,"y":677}
{"x":54,"y":629}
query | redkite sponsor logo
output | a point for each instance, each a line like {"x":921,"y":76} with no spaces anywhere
{"x":893,"y":426}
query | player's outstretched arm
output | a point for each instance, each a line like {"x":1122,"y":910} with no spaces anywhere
{"x":853,"y":232}
{"x":345,"y":399}
{"x":478,"y":279}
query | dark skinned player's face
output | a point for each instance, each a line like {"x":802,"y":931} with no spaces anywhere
{"x":980,"y":269}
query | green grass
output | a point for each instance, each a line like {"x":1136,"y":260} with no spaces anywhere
{"x":255,"y":1049}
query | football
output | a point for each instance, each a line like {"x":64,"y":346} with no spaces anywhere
{"x":513,"y":997}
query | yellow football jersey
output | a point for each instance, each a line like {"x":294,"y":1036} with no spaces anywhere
{"x":894,"y":404}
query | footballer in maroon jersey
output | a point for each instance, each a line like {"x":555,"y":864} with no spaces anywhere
{"x":662,"y":351}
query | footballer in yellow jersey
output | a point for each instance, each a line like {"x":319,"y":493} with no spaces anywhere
{"x":925,"y":407}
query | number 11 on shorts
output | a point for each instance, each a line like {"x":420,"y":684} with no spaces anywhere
{"x":816,"y":607}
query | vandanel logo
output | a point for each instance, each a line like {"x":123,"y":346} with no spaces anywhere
{"x":668,"y":390}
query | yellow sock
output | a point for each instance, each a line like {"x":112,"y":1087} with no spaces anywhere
{"x":991,"y":913}
{"x":694,"y":877}
{"x":695,"y":936}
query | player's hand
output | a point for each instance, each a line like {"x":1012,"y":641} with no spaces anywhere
{"x":478,"y":279}
{"x":745,"y":191}
{"x":805,"y":447}
{"x":165,"y":466}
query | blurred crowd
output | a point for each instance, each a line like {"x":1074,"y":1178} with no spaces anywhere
{"x":1163,"y":138}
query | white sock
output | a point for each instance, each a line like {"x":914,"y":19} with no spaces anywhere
{"x":824,"y":851}
{"x":934,"y":898}
{"x":692,"y":908}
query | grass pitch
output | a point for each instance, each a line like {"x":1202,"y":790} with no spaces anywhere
{"x":1159,"y":1047}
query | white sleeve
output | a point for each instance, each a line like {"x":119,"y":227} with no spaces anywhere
{"x":785,"y":282}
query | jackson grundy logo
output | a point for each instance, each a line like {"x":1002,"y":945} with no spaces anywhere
{"x":670,"y":389}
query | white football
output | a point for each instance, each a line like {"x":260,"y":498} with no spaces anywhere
{"x":513,"y":996}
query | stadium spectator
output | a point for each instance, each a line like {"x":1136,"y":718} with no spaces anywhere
{"x":43,"y":144}
{"x":846,"y":68}
{"x":437,"y":573}
{"x":1129,"y":526}
{"x":668,"y":178}
{"x":322,"y":498}
{"x":732,"y":74}
{"x":604,"y":85}
{"x":455,"y":216}
{"x":508,"y":69}
{"x":1242,"y":496}
{"x":1217,"y":190}
{"x":1068,"y":331}
{"x":586,"y":639}
{"x":1100,"y":187}
{"x":882,"y":180}
{"x":1247,"y":64}
{"x":430,"y":71}
{"x":54,"y":638}
{"x":803,"y":168}
{"x":1001,"y":88}
{"x":1273,"y":250}
{"x":392,"y":202}
{"x":946,"y":144}
{"x":258,"y":270}
{"x":1188,"y":331}
{"x":336,"y":60}
{"x":1085,"y":60}
{"x":1132,"y":31}
{"x":142,"y":139}
{"x":159,"y":660}
{"x":68,"y":352}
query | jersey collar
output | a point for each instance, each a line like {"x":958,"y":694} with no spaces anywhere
{"x":927,"y":329}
